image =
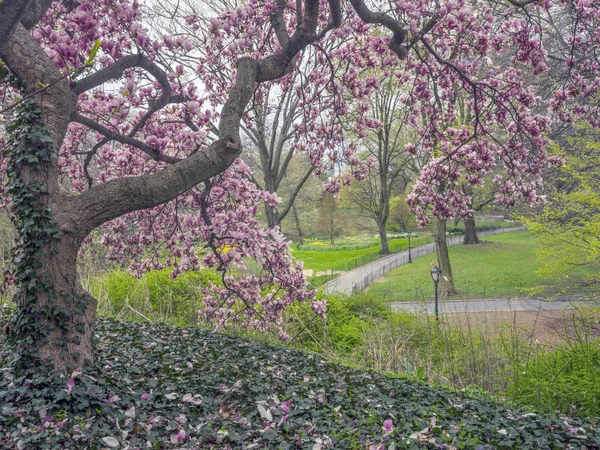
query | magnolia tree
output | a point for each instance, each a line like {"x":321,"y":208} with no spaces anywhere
{"x":107,"y":129}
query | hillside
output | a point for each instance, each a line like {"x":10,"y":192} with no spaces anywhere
{"x":190,"y":388}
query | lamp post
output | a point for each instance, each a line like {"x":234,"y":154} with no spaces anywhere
{"x":409,"y":254}
{"x":436,"y":274}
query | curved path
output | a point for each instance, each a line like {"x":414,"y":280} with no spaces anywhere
{"x":358,"y":279}
{"x":487,"y":305}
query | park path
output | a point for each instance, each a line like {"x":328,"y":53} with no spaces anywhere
{"x":484,"y":305}
{"x":358,"y":279}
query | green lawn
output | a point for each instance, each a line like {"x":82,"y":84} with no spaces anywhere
{"x":322,"y":260}
{"x":505,"y":266}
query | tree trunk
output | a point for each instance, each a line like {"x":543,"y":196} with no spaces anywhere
{"x":297,"y":221}
{"x":54,"y":324}
{"x":446,"y":285}
{"x":470,"y":231}
{"x":273,"y":219}
{"x":384,"y":248}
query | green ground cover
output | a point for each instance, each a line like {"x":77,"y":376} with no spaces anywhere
{"x":504,"y":266}
{"x":191,"y":388}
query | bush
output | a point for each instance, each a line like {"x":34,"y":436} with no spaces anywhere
{"x":455,"y":231}
{"x":154,"y":296}
{"x":364,"y":332}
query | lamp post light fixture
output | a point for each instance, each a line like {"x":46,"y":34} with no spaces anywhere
{"x":409,"y":253}
{"x":436,"y":275}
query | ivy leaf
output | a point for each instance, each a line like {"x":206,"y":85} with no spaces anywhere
{"x":3,"y":72}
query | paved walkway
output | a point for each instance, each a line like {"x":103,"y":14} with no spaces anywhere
{"x":484,"y":305}
{"x":358,"y":279}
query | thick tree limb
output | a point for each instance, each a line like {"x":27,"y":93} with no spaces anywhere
{"x":11,"y":12}
{"x":103,"y":202}
{"x":34,"y":13}
{"x":115,"y":71}
{"x":397,"y":42}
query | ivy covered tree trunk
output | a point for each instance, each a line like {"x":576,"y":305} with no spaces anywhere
{"x":55,"y":318}
{"x":446,"y":285}
{"x":470,"y":231}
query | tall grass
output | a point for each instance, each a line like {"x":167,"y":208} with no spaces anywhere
{"x":154,"y":297}
{"x":504,"y":360}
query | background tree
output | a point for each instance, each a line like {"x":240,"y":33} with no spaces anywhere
{"x":481,"y":196}
{"x":388,"y":161}
{"x":401,"y":217}
{"x":569,"y":223}
{"x":305,"y":207}
{"x":330,"y":220}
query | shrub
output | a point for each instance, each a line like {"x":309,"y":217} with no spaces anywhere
{"x":154,"y":296}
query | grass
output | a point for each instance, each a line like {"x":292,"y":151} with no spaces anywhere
{"x":327,"y":260}
{"x":504,"y":266}
{"x":155,"y":296}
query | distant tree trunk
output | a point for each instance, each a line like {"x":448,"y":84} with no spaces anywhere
{"x":273,"y":218}
{"x":384,"y":247}
{"x":470,"y":231}
{"x":446,"y":285}
{"x":297,"y":221}
{"x":332,"y":228}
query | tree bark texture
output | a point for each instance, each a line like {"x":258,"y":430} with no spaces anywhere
{"x":446,"y":284}
{"x":384,"y":247}
{"x":470,"y":231}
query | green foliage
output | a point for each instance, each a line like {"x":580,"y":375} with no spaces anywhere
{"x":569,"y":224}
{"x":401,"y":218}
{"x":155,"y":296}
{"x":363,"y":332}
{"x":565,"y":379}
{"x":455,"y":231}
{"x":329,"y":221}
{"x":209,"y":386}
{"x":343,"y":330}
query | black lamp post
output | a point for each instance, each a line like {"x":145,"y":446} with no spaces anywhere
{"x":436,"y":274}
{"x":409,"y":254}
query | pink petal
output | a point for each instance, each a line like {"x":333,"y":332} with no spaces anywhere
{"x":70,"y":385}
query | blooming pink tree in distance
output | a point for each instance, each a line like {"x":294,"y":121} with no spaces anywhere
{"x":146,"y":147}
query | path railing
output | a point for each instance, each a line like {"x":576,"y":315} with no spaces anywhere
{"x":358,"y":279}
